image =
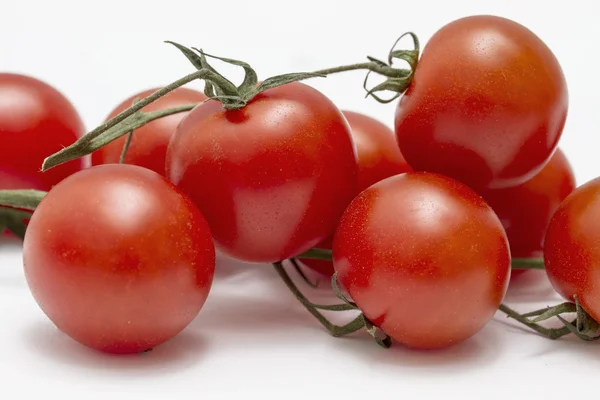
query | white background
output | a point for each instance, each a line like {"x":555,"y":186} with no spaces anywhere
{"x":252,"y":338}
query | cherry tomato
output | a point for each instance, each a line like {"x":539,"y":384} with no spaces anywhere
{"x":572,"y":247}
{"x":273,"y":177}
{"x":378,"y":157}
{"x":424,"y":257}
{"x":487,"y":104}
{"x":118,"y":258}
{"x":148,"y":146}
{"x":525,"y":210}
{"x":36,"y":120}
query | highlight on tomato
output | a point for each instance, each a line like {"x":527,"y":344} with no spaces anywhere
{"x":36,"y":120}
{"x":424,"y":258}
{"x":378,"y":157}
{"x":273,"y":177}
{"x":525,"y":210}
{"x":486,"y":106}
{"x":118,"y":258}
{"x":148,"y":145}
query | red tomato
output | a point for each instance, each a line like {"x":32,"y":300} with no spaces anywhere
{"x":118,"y":258}
{"x":525,"y":210}
{"x":272,"y":178}
{"x":487,"y":104}
{"x":424,"y":257}
{"x":572,"y":247}
{"x":148,"y":147}
{"x":36,"y":120}
{"x":378,"y":157}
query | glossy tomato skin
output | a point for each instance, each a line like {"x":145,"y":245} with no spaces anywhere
{"x":148,"y":147}
{"x":378,"y":157}
{"x":487,"y":104}
{"x":572,"y":247}
{"x":118,"y":258}
{"x":424,"y":257}
{"x":525,"y":210}
{"x":273,"y":177}
{"x":36,"y":120}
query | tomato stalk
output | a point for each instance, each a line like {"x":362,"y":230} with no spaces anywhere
{"x":356,"y":324}
{"x":583,"y":325}
{"x":516,"y":263}
{"x":219,"y":88}
{"x":16,"y":207}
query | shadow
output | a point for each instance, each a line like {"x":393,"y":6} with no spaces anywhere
{"x":183,"y":351}
{"x":572,"y":347}
{"x":11,"y":264}
{"x":531,"y":287}
{"x":480,"y":350}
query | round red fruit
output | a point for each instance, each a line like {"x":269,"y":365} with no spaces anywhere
{"x":378,"y":157}
{"x":572,"y":247}
{"x":36,"y":120}
{"x":273,"y":177}
{"x":424,"y":257}
{"x":148,"y":146}
{"x":487,"y":104}
{"x":525,"y":210}
{"x":118,"y":258}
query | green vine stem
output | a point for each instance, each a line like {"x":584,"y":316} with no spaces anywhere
{"x":16,"y":207}
{"x":583,"y":326}
{"x":527,"y":263}
{"x":232,"y":97}
{"x":21,"y":199}
{"x":335,"y":330}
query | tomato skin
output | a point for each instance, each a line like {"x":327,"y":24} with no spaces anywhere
{"x":118,"y":258}
{"x":572,"y":247}
{"x":272,"y":178}
{"x":424,"y":257}
{"x":36,"y":120}
{"x":148,"y":147}
{"x":487,"y":104}
{"x":378,"y":158}
{"x":525,"y":210}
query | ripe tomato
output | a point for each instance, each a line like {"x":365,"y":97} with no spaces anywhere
{"x":148,"y":147}
{"x":525,"y":210}
{"x":273,"y":177}
{"x":572,"y":247}
{"x":36,"y":120}
{"x":487,"y":104}
{"x":118,"y":258}
{"x":424,"y":257}
{"x":378,"y":157}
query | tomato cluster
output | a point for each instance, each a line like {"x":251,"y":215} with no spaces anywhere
{"x":422,"y":222}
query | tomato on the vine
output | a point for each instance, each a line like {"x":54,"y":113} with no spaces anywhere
{"x":148,"y":146}
{"x":525,"y":210}
{"x":271,"y":178}
{"x":378,"y":157}
{"x":118,"y":258}
{"x":424,"y":257}
{"x":572,"y":247}
{"x":487,"y":104}
{"x":36,"y":120}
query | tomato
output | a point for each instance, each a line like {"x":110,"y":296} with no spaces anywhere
{"x":36,"y":120}
{"x":148,"y":146}
{"x":273,"y":177}
{"x":378,"y":157}
{"x":572,"y":247}
{"x":118,"y":258}
{"x":424,"y":257}
{"x":487,"y":104}
{"x":525,"y":210}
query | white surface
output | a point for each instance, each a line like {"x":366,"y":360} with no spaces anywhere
{"x":252,"y":338}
